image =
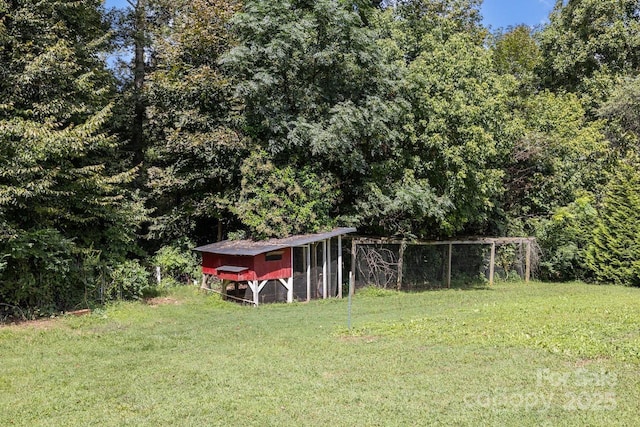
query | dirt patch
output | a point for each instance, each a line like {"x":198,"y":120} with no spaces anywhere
{"x":359,"y":338}
{"x":154,"y":302}
{"x":43,"y":324}
{"x":581,"y":363}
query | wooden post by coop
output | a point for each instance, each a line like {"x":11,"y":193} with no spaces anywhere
{"x":527,"y":270}
{"x":492,"y":262}
{"x":353,"y":266}
{"x":400,"y":265}
{"x":449,"y":266}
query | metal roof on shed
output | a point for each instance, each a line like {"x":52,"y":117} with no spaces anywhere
{"x":252,"y":247}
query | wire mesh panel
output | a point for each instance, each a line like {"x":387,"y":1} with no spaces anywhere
{"x":510,"y":262}
{"x":423,"y":266}
{"x":319,"y":266}
{"x":426,"y":265}
{"x":377,"y":265}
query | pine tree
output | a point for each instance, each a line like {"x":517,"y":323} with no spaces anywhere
{"x":614,"y":255}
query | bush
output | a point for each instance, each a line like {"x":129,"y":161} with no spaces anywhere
{"x":129,"y":280}
{"x":564,"y":239}
{"x":41,"y":272}
{"x":176,"y":265}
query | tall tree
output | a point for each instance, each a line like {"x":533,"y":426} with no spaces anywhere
{"x":516,"y":53}
{"x":58,"y":195}
{"x":423,"y":23}
{"x":614,"y":255}
{"x":194,"y":150}
{"x":444,"y":177}
{"x":457,"y":134}
{"x":558,"y":154}
{"x":622,"y":112}
{"x":317,"y":94}
{"x":587,"y":40}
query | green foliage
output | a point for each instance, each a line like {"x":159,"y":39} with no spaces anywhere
{"x":614,"y":255}
{"x":318,"y":98}
{"x":129,"y":280}
{"x":590,"y":39}
{"x":193,"y":153}
{"x":61,"y":199}
{"x":420,"y":24}
{"x":277,"y":202}
{"x":178,"y":264}
{"x":622,"y":111}
{"x":277,"y":117}
{"x":558,"y":154}
{"x":516,"y":53}
{"x":457,"y":134}
{"x":44,"y":272}
{"x":564,"y":239}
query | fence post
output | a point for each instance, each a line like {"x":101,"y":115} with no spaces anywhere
{"x":400,"y":264}
{"x":353,"y":265}
{"x":492,"y":263}
{"x":527,"y":270}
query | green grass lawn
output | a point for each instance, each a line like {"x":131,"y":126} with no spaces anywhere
{"x":513,"y":354}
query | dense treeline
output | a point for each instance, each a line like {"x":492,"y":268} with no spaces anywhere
{"x":261,"y":118}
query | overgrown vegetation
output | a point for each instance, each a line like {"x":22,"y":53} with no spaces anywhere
{"x":513,"y":354}
{"x":404,"y":118}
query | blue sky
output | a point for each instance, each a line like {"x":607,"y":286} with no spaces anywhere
{"x":503,"y":13}
{"x":496,"y":13}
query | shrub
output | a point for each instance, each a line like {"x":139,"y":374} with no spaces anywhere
{"x":41,"y":272}
{"x":176,"y":265}
{"x":129,"y":280}
{"x":564,"y":239}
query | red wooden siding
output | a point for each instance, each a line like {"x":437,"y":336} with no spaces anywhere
{"x":271,"y":270}
{"x":258,"y":268}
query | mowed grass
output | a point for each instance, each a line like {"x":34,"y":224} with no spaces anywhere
{"x":512,"y":354}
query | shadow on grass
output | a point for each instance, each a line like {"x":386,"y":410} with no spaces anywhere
{"x":461,"y":285}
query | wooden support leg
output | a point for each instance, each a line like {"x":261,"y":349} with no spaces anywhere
{"x":400,"y":265}
{"x":527,"y":273}
{"x":314,"y":266}
{"x":492,"y":263}
{"x":449,"y":266}
{"x":308,"y":268}
{"x":352,"y":275}
{"x":324,"y":269}
{"x":339,"y":266}
{"x":253,"y":285}
{"x":329,"y":292}
{"x":288,"y":285}
{"x":290,"y":290}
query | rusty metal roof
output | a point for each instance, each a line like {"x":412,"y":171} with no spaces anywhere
{"x":252,"y":247}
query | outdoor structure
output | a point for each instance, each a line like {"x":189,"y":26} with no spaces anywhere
{"x":306,"y":266}
{"x":414,"y":264}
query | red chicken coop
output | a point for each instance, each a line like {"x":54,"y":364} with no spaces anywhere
{"x":298,"y":267}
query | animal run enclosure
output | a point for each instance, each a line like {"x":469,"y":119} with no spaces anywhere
{"x":412,"y":265}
